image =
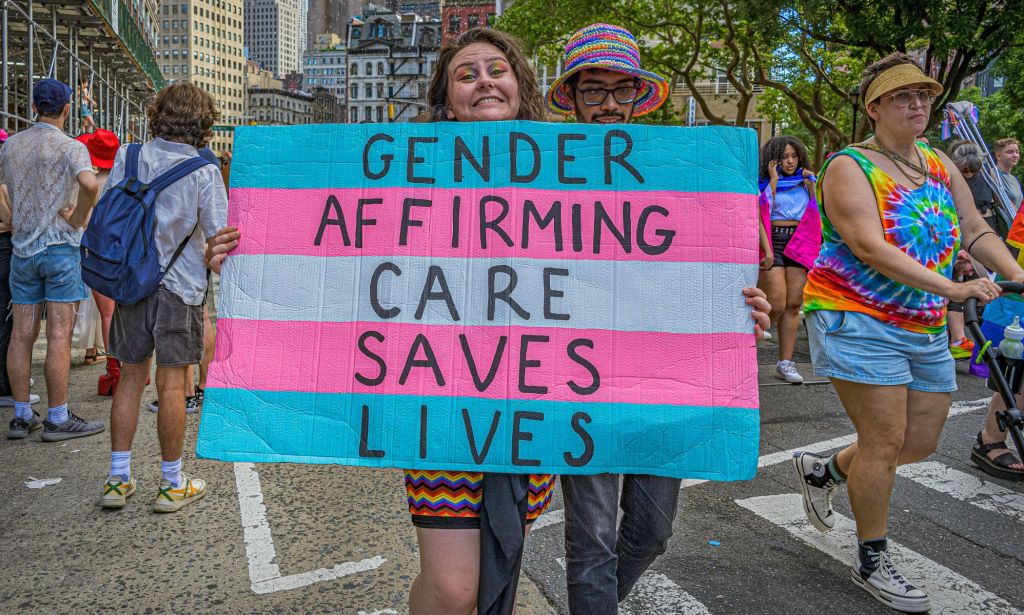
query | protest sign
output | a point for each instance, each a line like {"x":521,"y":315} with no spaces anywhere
{"x":507,"y":296}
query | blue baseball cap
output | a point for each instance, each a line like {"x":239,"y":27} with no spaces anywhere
{"x":49,"y":96}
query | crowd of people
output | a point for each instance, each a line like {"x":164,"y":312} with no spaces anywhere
{"x":867,"y":252}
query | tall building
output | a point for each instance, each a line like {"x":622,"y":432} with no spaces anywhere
{"x":201,"y":41}
{"x":390,"y":58}
{"x":329,"y":17}
{"x":457,"y":16}
{"x":325,"y":67}
{"x":274,"y":31}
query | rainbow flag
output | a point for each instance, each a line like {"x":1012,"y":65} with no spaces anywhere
{"x":509,"y":296}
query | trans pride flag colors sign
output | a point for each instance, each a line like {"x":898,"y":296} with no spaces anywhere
{"x":510,"y":296}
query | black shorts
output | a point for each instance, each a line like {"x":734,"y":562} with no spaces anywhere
{"x":160,"y":323}
{"x":780,"y":239}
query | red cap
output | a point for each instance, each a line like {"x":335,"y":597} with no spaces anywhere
{"x":102,"y":146}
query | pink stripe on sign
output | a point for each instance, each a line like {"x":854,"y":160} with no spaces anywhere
{"x":707,"y":227}
{"x":634,"y":368}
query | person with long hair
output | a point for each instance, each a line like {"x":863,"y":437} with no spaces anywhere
{"x":894,"y":213}
{"x":481,"y":76}
{"x":790,"y":234}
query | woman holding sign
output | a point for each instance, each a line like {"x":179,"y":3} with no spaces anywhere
{"x":482,"y":76}
{"x":893,"y":211}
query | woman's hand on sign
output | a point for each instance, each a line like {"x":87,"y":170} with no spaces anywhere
{"x":982,"y":289}
{"x":218,"y":247}
{"x":756,"y":299}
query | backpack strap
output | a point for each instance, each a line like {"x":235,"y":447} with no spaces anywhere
{"x":132,"y":160}
{"x":181,"y":248}
{"x":177,"y":172}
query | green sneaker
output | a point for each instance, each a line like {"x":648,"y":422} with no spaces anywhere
{"x":116,"y":492}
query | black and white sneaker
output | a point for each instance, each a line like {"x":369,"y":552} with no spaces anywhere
{"x":817,"y":487}
{"x":879,"y":577}
{"x":20,"y":428}
{"x":192,"y":403}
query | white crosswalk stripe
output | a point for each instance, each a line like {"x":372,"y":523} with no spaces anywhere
{"x":949,"y":592}
{"x":656,"y":594}
{"x":966,"y":488}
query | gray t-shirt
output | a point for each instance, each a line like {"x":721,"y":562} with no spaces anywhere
{"x":40,"y":166}
{"x":198,"y":196}
{"x":1013,"y":189}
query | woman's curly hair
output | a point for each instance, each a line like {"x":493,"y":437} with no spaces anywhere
{"x":183,"y":112}
{"x":775,"y":148}
{"x":531,"y":101}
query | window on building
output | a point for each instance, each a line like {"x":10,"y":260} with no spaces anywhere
{"x":454,"y":24}
{"x":380,"y":90}
{"x":369,"y":69}
{"x":366,"y":114}
{"x":380,"y":114}
{"x":490,"y":19}
{"x":472,"y":21}
{"x":380,"y":68}
{"x":355,"y":91}
{"x":369,"y":90}
{"x":354,"y":71}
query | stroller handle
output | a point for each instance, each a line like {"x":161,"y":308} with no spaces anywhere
{"x":971,"y":305}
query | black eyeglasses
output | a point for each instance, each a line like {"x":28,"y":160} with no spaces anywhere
{"x":596,"y":96}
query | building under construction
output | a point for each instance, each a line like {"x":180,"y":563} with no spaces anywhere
{"x":102,"y":48}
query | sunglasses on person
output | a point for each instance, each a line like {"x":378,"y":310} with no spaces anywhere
{"x":623,"y":95}
{"x":903,"y":98}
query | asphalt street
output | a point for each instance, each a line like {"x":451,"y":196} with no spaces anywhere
{"x":281,"y":538}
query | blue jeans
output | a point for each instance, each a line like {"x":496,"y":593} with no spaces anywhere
{"x":604,"y":563}
{"x":6,"y":251}
{"x":53,"y":275}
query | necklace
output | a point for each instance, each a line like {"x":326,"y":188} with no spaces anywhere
{"x":919,"y":168}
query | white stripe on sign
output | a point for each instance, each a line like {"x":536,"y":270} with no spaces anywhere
{"x":966,"y":488}
{"x":264,"y":574}
{"x":949,"y":592}
{"x":657,"y":594}
{"x":957,"y":408}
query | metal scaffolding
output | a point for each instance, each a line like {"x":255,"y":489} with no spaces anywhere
{"x":76,"y":41}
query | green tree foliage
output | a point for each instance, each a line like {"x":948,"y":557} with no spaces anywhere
{"x":806,"y":55}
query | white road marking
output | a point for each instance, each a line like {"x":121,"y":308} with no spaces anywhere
{"x":656,"y":594}
{"x":551,"y":517}
{"x":966,"y":488}
{"x":264,"y":573}
{"x":949,"y":592}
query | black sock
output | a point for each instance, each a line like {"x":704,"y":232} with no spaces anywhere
{"x":869,"y":550}
{"x":834,"y":471}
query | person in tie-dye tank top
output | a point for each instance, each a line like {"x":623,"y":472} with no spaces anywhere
{"x":894,"y":214}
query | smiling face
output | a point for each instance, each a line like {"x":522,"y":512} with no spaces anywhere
{"x":1008,"y":156}
{"x":482,"y":86}
{"x":608,"y":112}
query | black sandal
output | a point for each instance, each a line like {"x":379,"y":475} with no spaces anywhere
{"x":998,"y":467}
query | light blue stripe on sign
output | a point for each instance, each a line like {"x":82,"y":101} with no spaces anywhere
{"x":671,"y":297}
{"x":674,"y":158}
{"x":531,"y":436}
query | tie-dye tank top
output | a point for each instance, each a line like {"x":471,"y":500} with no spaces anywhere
{"x":922,"y":223}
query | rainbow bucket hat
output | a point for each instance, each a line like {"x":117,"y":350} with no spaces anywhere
{"x":607,"y":47}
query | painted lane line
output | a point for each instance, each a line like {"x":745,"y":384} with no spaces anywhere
{"x":655,"y":594}
{"x":949,"y":592}
{"x":966,"y":488}
{"x":955,"y":409}
{"x":264,"y":573}
{"x":549,"y":518}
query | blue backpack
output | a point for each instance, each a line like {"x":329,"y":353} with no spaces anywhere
{"x":119,"y":255}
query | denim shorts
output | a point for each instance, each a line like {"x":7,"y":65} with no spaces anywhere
{"x":859,"y":348}
{"x":53,"y":275}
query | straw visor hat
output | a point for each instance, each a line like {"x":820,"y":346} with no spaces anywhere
{"x":607,"y":47}
{"x":897,"y":77}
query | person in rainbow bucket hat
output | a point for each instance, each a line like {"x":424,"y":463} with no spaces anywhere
{"x":604,"y":84}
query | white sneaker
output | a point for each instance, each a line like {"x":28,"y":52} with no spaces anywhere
{"x":765,"y":335}
{"x":7,"y":401}
{"x":888,"y":585}
{"x":786,"y":370}
{"x":817,"y":488}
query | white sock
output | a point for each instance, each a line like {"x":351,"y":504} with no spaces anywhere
{"x":121,"y":464}
{"x":171,"y":471}
{"x":23,"y":410}
{"x":58,"y":414}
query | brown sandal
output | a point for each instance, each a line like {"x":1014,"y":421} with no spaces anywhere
{"x":998,"y":467}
